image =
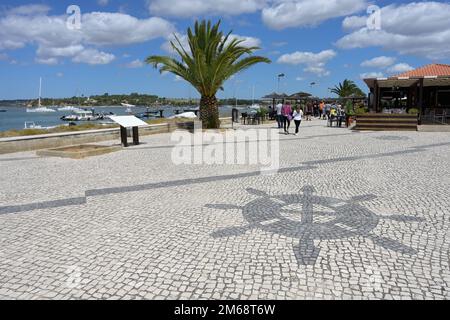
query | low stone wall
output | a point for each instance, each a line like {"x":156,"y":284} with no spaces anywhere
{"x":434,"y":128}
{"x":55,"y":140}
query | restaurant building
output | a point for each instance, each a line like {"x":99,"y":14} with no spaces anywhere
{"x":426,"y":89}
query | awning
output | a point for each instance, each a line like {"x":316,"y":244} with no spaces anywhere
{"x":408,"y":82}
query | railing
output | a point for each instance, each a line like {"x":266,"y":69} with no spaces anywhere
{"x":436,"y":116}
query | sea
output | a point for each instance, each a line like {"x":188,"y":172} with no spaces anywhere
{"x":15,"y":117}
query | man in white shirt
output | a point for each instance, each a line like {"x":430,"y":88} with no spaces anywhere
{"x":279,"y":115}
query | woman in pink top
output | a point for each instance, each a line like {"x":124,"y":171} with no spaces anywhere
{"x":286,"y":112}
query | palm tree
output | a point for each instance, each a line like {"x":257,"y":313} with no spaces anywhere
{"x":346,"y":89}
{"x":211,"y":59}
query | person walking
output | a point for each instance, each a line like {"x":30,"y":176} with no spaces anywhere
{"x":286,"y":112}
{"x":280,"y":120}
{"x":298,"y":117}
{"x":316,"y":110}
{"x":309,"y":111}
{"x":322,"y":110}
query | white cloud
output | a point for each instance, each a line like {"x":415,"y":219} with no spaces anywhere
{"x":189,"y":8}
{"x":277,"y":14}
{"x":60,"y":74}
{"x":102,"y":3}
{"x":379,"y":62}
{"x":103,"y":28}
{"x":298,"y":57}
{"x":313,"y":62}
{"x":3,"y":56}
{"x":297,"y":13}
{"x":246,"y":41}
{"x":93,"y":57}
{"x":400,"y":68}
{"x":48,"y":61}
{"x":135,"y":64}
{"x":418,"y":28}
{"x":318,"y":70}
{"x":68,"y":51}
{"x":30,"y":9}
{"x":183,"y":38}
{"x":31,"y":25}
{"x":354,"y":22}
{"x":370,"y":75}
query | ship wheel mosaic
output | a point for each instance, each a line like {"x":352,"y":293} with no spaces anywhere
{"x":309,"y":217}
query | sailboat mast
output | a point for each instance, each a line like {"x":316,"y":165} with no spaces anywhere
{"x":40,"y":90}
{"x":253,"y":95}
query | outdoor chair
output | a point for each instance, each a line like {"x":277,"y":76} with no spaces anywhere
{"x":244,"y":117}
{"x":254,"y":119}
{"x":338,"y":119}
{"x":440,"y":116}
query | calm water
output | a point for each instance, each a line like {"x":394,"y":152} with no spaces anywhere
{"x":15,"y":117}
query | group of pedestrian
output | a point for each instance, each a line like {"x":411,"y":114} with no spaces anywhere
{"x":286,"y":114}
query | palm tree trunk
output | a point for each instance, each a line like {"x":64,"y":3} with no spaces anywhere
{"x":209,"y":112}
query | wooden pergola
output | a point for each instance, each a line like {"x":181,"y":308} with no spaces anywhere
{"x":274,"y":97}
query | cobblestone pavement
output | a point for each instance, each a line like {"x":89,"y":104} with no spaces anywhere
{"x":349,"y":216}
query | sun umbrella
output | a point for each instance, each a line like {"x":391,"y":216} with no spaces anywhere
{"x":300,"y":95}
{"x":276,"y":96}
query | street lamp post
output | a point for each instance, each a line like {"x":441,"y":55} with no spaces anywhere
{"x":281,"y":75}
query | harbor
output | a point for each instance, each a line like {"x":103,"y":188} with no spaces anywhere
{"x":15,"y":117}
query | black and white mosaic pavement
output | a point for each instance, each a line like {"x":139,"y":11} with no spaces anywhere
{"x":349,"y":216}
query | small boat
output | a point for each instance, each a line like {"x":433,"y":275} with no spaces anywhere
{"x":185,"y":115}
{"x":69,"y":108}
{"x":129,"y":106}
{"x":82,"y":115}
{"x":32,"y":125}
{"x":2,"y":110}
{"x":71,"y":117}
{"x":40,"y":110}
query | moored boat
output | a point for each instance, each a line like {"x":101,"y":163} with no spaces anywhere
{"x":82,"y":115}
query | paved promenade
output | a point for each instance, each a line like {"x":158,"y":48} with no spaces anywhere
{"x":348,"y":216}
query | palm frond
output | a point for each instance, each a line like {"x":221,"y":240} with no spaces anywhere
{"x":211,"y":58}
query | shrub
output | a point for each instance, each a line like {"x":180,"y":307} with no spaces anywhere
{"x":413,"y":111}
{"x":262,"y":112}
{"x":361,"y":110}
{"x":349,"y":109}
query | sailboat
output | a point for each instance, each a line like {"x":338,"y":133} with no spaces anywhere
{"x":129,"y":106}
{"x":254,"y":105}
{"x":40,"y":108}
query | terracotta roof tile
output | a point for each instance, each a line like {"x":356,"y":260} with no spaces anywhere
{"x":427,"y":71}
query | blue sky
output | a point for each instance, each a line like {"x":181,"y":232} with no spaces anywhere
{"x":321,"y":41}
